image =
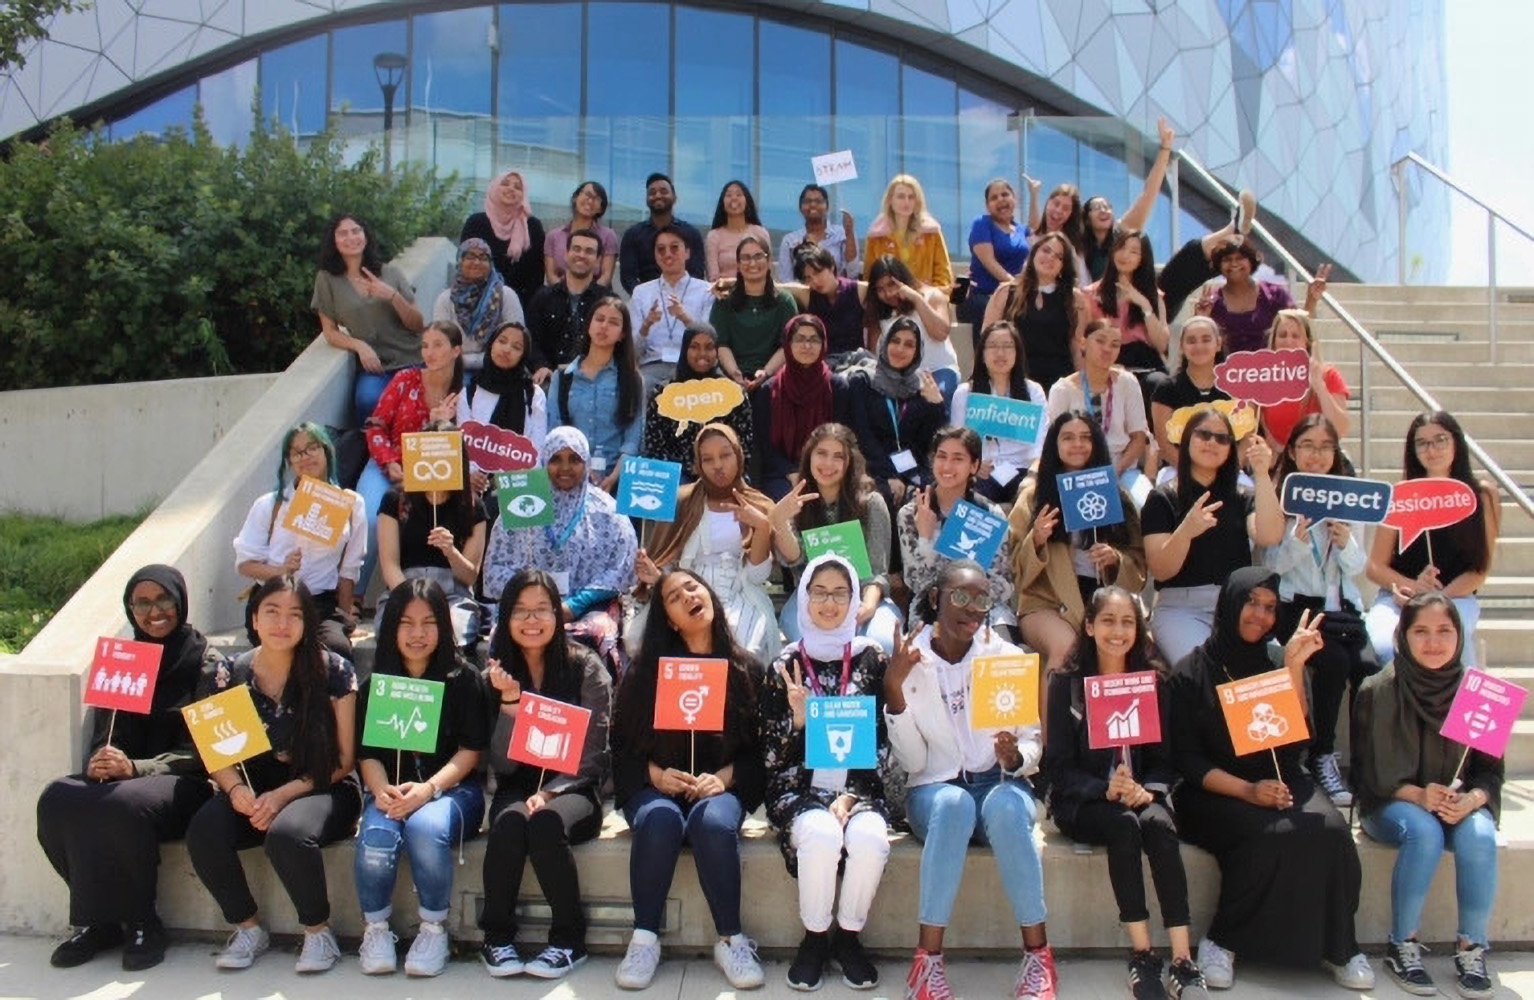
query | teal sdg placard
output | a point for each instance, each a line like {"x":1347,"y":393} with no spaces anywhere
{"x":971,"y":533}
{"x":1003,"y":417}
{"x":647,"y":488}
{"x":841,"y":732}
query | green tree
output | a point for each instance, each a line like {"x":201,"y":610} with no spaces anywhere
{"x":25,"y":21}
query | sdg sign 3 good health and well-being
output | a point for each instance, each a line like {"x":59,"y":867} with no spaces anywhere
{"x":1335,"y":498}
{"x":1090,"y":498}
{"x":1262,"y":712}
{"x":318,"y":511}
{"x":526,"y":499}
{"x":1483,"y":713}
{"x":549,"y":734}
{"x":689,"y":694}
{"x":403,"y":713}
{"x":226,"y":729}
{"x":1122,"y":710}
{"x":971,"y":533}
{"x":496,"y":449}
{"x":432,"y":460}
{"x":1004,"y":691}
{"x":1002,"y":417}
{"x":647,"y":488}
{"x":123,"y":674}
{"x":841,"y":732}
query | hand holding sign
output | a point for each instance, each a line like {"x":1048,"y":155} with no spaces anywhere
{"x":1265,"y":377}
{"x":833,"y":168}
{"x":1335,"y":498}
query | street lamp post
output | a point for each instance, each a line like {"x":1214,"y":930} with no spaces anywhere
{"x":389,"y":68}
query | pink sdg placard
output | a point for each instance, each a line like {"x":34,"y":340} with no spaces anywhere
{"x":1483,"y":712}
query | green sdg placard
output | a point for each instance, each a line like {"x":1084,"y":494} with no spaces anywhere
{"x":526,"y":500}
{"x":845,"y":540}
{"x":402,"y":713}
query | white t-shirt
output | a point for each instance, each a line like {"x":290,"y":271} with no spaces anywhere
{"x":1121,"y":410}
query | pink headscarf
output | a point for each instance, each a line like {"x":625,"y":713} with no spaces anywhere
{"x":509,"y":224}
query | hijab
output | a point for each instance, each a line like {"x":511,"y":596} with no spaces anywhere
{"x":684,"y":372}
{"x":181,"y":660}
{"x":477,"y":304}
{"x":1225,"y":649}
{"x":828,"y":644}
{"x":800,"y":394}
{"x":512,"y":386}
{"x":692,"y":499}
{"x":510,"y":224}
{"x":889,"y":381}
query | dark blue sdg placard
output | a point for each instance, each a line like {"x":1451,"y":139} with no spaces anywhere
{"x":1090,"y":498}
{"x":1335,"y":498}
{"x":971,"y":533}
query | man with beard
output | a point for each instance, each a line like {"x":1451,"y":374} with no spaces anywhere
{"x":556,"y":316}
{"x":636,"y":255}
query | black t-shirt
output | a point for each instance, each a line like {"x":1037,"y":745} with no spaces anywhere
{"x":463,"y":726}
{"x":1179,"y":391}
{"x":1215,"y":554}
{"x":416,"y":524}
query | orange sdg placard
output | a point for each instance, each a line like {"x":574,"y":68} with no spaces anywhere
{"x":689,"y":694}
{"x":226,"y":728}
{"x":432,"y":460}
{"x":318,"y":510}
{"x":1262,"y":712}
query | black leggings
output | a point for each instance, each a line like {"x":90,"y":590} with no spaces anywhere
{"x":1182,"y":275}
{"x":293,"y":841}
{"x":546,"y":836}
{"x":1128,"y":834}
{"x":1335,"y":667}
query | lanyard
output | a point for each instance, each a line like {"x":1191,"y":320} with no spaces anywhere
{"x":1086,"y":399}
{"x":564,"y":536}
{"x":809,"y":669}
{"x":895,"y":419}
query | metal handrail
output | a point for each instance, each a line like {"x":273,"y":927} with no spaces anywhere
{"x":1365,"y":340}
{"x":1398,"y":179}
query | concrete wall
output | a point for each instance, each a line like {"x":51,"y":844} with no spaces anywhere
{"x":191,"y":529}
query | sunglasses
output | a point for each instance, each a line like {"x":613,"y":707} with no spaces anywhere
{"x":1217,"y":437}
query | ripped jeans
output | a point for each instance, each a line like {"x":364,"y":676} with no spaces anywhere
{"x":430,"y":836}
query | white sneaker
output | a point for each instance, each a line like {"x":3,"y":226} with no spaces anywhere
{"x":639,"y":964}
{"x":428,"y":952}
{"x":1358,"y":974}
{"x":320,"y":952}
{"x":245,"y":945}
{"x":1217,"y":964}
{"x":377,"y":953}
{"x":736,"y":958}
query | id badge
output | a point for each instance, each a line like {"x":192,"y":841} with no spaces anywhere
{"x":903,"y":461}
{"x":1002,"y":473}
{"x":1334,"y":597}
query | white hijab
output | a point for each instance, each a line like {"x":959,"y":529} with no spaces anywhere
{"x":822,"y":643}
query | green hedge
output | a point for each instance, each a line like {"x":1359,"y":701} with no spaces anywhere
{"x":43,"y":561}
{"x":173,"y":256}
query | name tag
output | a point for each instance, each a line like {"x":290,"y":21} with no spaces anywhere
{"x":903,"y":460}
{"x":1004,"y":472}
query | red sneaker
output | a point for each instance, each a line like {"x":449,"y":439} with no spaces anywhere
{"x":927,"y":980}
{"x":1036,"y":977}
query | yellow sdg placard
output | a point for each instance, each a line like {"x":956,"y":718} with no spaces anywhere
{"x":699,"y":401}
{"x":1004,"y":691}
{"x":318,"y":510}
{"x":433,"y":460}
{"x":226,"y":728}
{"x":1242,"y":416}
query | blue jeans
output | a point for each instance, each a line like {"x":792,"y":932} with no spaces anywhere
{"x":372,"y":485}
{"x":366,"y":392}
{"x":881,"y":628}
{"x":428,"y":836}
{"x":1421,"y":837}
{"x":1382,"y":617}
{"x":943,"y":816}
{"x":660,"y":826}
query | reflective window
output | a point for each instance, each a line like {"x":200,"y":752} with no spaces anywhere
{"x":450,"y":90}
{"x":1049,"y":156}
{"x":226,"y":101}
{"x":986,"y":151}
{"x":931,"y":145}
{"x":628,"y":96}
{"x":355,"y":91}
{"x":715,"y":77}
{"x":172,"y":109}
{"x":794,"y":66}
{"x":293,"y":85}
{"x":867,"y":120}
{"x":539,"y":102}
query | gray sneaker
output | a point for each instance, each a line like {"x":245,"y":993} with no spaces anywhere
{"x":428,"y":952}
{"x":320,"y":953}
{"x":736,"y":958}
{"x":377,"y":954}
{"x":639,"y":965}
{"x":1357,"y":974}
{"x":1217,"y":964}
{"x":245,"y":945}
{"x":1328,"y":772}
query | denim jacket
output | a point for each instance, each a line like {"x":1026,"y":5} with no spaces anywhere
{"x":593,"y":405}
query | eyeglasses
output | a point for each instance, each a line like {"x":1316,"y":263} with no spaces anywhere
{"x":1307,"y":448}
{"x":964,"y":599}
{"x":1002,"y":347}
{"x":1433,"y":443}
{"x":143,"y":606}
{"x":841,"y":597}
{"x":666,"y":249}
{"x":476,"y":255}
{"x":1217,"y":437}
{"x":809,"y":340}
{"x":532,"y":615}
{"x":307,"y":451}
{"x":753,"y":258}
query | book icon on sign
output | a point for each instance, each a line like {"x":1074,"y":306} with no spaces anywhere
{"x":550,"y":746}
{"x":1125,"y":724}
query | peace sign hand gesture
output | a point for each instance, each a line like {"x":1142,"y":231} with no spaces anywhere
{"x":1201,"y":516}
{"x":926,"y":514}
{"x":1305,"y":642}
{"x":748,"y":514}
{"x":797,"y":693}
{"x":786,"y":509}
{"x":907,"y":655}
{"x":1044,"y":525}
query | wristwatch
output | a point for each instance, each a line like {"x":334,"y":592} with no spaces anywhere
{"x":436,"y":793}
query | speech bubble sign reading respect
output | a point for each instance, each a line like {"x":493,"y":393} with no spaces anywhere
{"x":1265,"y":377}
{"x":1419,"y":505}
{"x":1336,"y":498}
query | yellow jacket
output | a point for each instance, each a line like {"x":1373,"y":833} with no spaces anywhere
{"x":926,"y":255}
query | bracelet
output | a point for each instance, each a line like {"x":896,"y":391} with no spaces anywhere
{"x":237,"y":784}
{"x":514,"y":701}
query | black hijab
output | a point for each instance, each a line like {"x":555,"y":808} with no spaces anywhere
{"x":513,"y":386}
{"x":1225,"y":650}
{"x":684,"y":372}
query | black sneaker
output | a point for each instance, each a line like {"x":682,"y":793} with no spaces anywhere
{"x":501,"y":959}
{"x":85,"y":944}
{"x":1145,"y":976}
{"x":555,"y":962}
{"x":858,"y":970}
{"x":1404,"y":963}
{"x":810,"y":961}
{"x":145,"y":946}
{"x":1470,"y":976}
{"x":1185,"y":981}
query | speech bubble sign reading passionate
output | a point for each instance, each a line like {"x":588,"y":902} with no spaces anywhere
{"x":1265,"y":377}
{"x":1419,"y":505}
{"x":1335,"y":498}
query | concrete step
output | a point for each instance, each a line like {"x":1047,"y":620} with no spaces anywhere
{"x":1075,"y":883}
{"x":1350,"y":293}
{"x":1433,"y":322}
{"x":1505,"y":374}
{"x":1338,"y":346}
{"x":1505,"y":639}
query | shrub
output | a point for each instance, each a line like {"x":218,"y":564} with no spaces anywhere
{"x":172,"y":256}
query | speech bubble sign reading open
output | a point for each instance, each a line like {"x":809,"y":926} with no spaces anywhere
{"x":699,"y":400}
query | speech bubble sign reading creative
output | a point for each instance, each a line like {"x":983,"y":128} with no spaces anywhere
{"x":123,"y":674}
{"x":1004,"y":691}
{"x":844,"y":539}
{"x":1418,"y":505}
{"x":1241,"y":414}
{"x":432,"y":460}
{"x":841,"y":731}
{"x":1262,"y":712}
{"x":1483,"y":712}
{"x":1335,"y":498}
{"x":496,"y":449}
{"x":699,"y":400}
{"x":549,"y":734}
{"x":689,"y":694}
{"x":647,"y":488}
{"x":1003,"y":417}
{"x":1122,"y":710}
{"x":971,"y":533}
{"x":226,"y":729}
{"x":318,"y":511}
{"x":1090,"y":498}
{"x":833,"y":168}
{"x":403,"y":713}
{"x":526,"y":499}
{"x":1265,"y":377}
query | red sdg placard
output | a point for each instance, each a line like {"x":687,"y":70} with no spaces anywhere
{"x":549,"y":734}
{"x":689,"y":694}
{"x":1122,"y":710}
{"x":123,"y":675}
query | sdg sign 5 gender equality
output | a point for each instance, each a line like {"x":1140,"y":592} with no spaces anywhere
{"x":1000,"y":417}
{"x":1336,"y":498}
{"x":1090,"y":498}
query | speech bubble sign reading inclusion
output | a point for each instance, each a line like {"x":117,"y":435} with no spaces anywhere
{"x":1336,"y":498}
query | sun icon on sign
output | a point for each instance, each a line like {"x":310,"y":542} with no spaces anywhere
{"x":1004,"y":701}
